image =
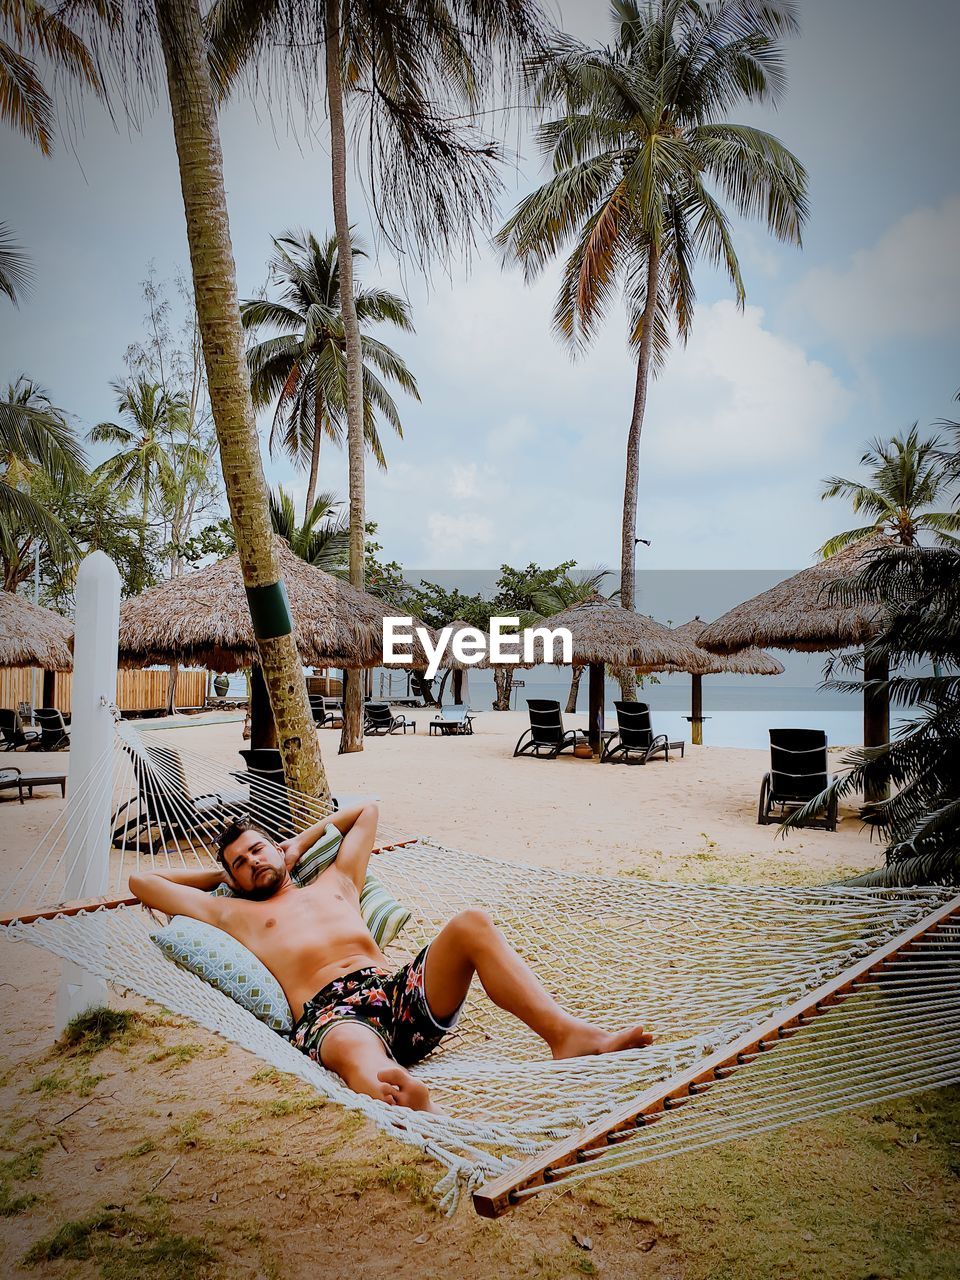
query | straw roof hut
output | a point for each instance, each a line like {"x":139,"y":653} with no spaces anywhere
{"x":799,"y":612}
{"x":31,"y":636}
{"x":203,"y":619}
{"x":748,"y":662}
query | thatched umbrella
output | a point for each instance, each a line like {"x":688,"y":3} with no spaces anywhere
{"x":748,"y":662}
{"x":203,"y":619}
{"x":802,"y":613}
{"x":31,"y":636}
{"x":602,"y":632}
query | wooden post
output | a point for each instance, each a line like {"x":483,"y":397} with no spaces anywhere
{"x":263,"y":728}
{"x":876,"y":716}
{"x":458,"y":688}
{"x":89,"y":789}
{"x":595,"y":723}
{"x":696,"y":710}
{"x":48,"y":698}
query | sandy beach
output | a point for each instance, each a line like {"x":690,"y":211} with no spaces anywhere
{"x":242,"y":1169}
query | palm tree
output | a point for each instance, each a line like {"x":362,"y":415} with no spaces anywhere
{"x":563,"y":594}
{"x":35,"y":437}
{"x":321,"y":538}
{"x":304,"y":367}
{"x":185,"y":55}
{"x":643,"y":156}
{"x":907,"y":475}
{"x":32,"y":31}
{"x":16,"y":271}
{"x":154,"y":426}
{"x":431,"y":177}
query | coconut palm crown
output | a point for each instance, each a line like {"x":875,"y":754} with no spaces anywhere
{"x":304,"y":366}
{"x":907,"y":475}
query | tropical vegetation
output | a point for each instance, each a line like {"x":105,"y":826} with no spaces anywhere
{"x":644,"y":161}
{"x":303,"y":365}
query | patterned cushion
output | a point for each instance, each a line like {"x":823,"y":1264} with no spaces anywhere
{"x":227,"y":965}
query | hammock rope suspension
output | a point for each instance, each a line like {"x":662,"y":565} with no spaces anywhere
{"x":769,"y":1005}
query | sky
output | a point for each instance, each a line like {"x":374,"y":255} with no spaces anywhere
{"x":515,"y":452}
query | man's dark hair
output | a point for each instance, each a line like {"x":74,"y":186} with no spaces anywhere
{"x":234,"y":829}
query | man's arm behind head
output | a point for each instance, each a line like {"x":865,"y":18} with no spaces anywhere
{"x":180,"y":892}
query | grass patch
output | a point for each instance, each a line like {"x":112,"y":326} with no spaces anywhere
{"x":175,"y":1055}
{"x":408,"y":1179}
{"x":125,"y":1246}
{"x":49,"y":1085}
{"x":23,"y":1167}
{"x":298,"y":1102}
{"x":188,"y":1130}
{"x":141,"y":1149}
{"x":98,"y":1029}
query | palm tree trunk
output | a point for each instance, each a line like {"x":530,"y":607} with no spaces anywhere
{"x":351,"y":738}
{"x":628,"y":545}
{"x":218,"y":314}
{"x":314,"y":453}
{"x":574,"y":693}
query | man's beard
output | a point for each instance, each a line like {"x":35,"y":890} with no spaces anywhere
{"x":265,"y":886}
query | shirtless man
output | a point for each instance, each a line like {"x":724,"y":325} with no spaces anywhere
{"x":353,"y":1014}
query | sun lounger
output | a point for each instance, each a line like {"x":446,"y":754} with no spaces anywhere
{"x":798,"y":772}
{"x":54,"y":734}
{"x":331,"y":713}
{"x":164,"y":808}
{"x":11,"y":777}
{"x":12,"y":733}
{"x":379,"y":719}
{"x":634,"y":741}
{"x":546,"y":737}
{"x":452,"y":720}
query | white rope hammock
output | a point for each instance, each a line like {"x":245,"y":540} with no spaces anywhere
{"x":699,"y":965}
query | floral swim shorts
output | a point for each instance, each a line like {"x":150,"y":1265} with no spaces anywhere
{"x":394,"y":1006}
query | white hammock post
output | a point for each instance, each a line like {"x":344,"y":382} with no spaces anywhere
{"x":87,"y":860}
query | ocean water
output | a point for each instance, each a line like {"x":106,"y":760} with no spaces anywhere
{"x":740,"y":711}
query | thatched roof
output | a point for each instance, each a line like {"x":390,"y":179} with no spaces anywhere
{"x":33,"y":637}
{"x":799,"y":613}
{"x":746,"y":662}
{"x":202,"y":619}
{"x":605,"y":632}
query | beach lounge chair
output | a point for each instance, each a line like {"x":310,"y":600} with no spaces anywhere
{"x":379,"y":719}
{"x":332,"y":713}
{"x":54,"y":734}
{"x":25,"y":712}
{"x":546,"y":737}
{"x":11,"y":777}
{"x":164,"y":807}
{"x":452,"y":720}
{"x":798,"y":772}
{"x":634,"y":741}
{"x":12,"y":733}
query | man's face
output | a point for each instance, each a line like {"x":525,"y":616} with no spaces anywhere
{"x":255,"y":865}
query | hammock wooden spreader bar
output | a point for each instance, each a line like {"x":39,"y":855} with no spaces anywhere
{"x":498,"y":1195}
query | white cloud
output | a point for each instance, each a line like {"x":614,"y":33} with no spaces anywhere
{"x":905,"y":285}
{"x":739,"y":396}
{"x":464,"y":482}
{"x":455,"y":539}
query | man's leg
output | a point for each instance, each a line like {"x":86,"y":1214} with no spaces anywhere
{"x":471,"y":944}
{"x":360,"y":1059}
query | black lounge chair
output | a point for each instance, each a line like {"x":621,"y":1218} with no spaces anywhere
{"x":452,"y":720}
{"x":54,"y":734}
{"x":11,"y":777}
{"x":379,"y":719}
{"x":12,"y":733}
{"x":164,"y":807}
{"x":634,"y":741}
{"x":798,"y":772}
{"x":547,"y":736}
{"x":332,"y":713}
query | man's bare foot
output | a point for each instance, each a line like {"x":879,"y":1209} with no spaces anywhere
{"x":405,"y":1090}
{"x":582,"y":1038}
